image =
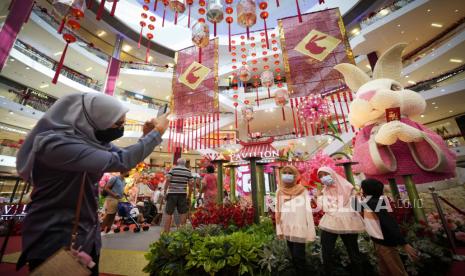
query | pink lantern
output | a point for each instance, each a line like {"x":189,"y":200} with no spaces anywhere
{"x":178,"y":7}
{"x":247,"y":112}
{"x":281,"y":99}
{"x":201,"y":34}
{"x":215,"y":13}
{"x":244,"y":73}
{"x":267,"y":79}
{"x":246,"y":14}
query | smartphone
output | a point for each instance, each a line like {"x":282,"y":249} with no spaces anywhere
{"x":162,"y":110}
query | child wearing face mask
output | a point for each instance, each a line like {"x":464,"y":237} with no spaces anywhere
{"x":294,"y":218}
{"x":339,"y":220}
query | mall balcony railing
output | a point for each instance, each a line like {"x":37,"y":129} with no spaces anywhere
{"x":90,"y":47}
{"x":380,"y":14}
{"x":438,"y":41}
{"x":447,"y":78}
{"x":52,"y":64}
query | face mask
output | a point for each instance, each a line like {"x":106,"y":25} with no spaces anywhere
{"x":109,"y":134}
{"x":327,"y":180}
{"x":287,"y":178}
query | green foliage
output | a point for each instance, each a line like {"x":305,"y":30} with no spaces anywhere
{"x":275,"y":258}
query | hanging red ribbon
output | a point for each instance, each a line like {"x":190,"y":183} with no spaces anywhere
{"x":165,"y":3}
{"x":321,"y":1}
{"x":229,"y":20}
{"x":113,"y":8}
{"x":298,"y":11}
{"x":335,"y":112}
{"x":301,"y":130}
{"x":347,"y":107}
{"x":200,"y":55}
{"x":218,"y":128}
{"x":293,"y":116}
{"x":89,"y":4}
{"x":258,"y":99}
{"x":69,"y":38}
{"x":100,"y":10}
{"x":305,"y":121}
{"x":264,"y":15}
{"x":189,"y":3}
{"x":169,"y":137}
{"x":142,"y":25}
{"x":277,"y":3}
{"x":342,"y":111}
{"x":62,"y":25}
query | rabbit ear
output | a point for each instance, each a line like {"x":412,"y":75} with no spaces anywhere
{"x":353,"y":75}
{"x":389,"y":65}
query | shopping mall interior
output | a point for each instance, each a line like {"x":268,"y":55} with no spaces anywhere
{"x":249,"y":87}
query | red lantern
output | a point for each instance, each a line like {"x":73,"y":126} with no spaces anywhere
{"x":178,"y":7}
{"x":229,"y":20}
{"x":299,"y":14}
{"x":69,"y":38}
{"x":189,"y":3}
{"x":246,"y":14}
{"x":142,"y":25}
{"x":147,"y":49}
{"x":215,"y":13}
{"x":264,"y":15}
{"x":165,"y":3}
{"x":155,"y":5}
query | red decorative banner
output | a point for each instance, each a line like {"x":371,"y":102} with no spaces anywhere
{"x":311,"y":49}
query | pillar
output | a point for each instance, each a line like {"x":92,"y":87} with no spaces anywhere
{"x":253,"y":181}
{"x":219,"y":181}
{"x":348,"y":171}
{"x":19,"y":13}
{"x":261,"y":188}
{"x":412,"y":192}
{"x":114,"y":65}
{"x":232,"y":182}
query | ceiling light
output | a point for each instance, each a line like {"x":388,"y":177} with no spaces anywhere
{"x":42,"y":86}
{"x":398,"y":25}
{"x":127,"y":48}
{"x":58,"y":53}
{"x":450,"y":111}
{"x":27,"y":68}
{"x":433,"y":103}
{"x":455,"y":60}
{"x":402,"y":32}
{"x":168,"y":97}
{"x":368,"y":66}
{"x":406,"y":76}
{"x":428,"y":10}
{"x":436,"y":107}
{"x":412,"y":82}
{"x":12,"y":59}
{"x":436,"y":25}
{"x":355,"y":31}
{"x":119,"y":83}
{"x":456,"y":11}
{"x":101,"y":33}
{"x":423,"y":116}
{"x":88,"y":69}
{"x":11,"y":112}
{"x":150,"y":58}
{"x":170,"y":64}
{"x":383,"y":12}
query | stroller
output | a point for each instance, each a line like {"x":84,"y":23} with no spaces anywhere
{"x":126,"y":211}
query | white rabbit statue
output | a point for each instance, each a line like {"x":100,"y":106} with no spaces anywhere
{"x":392,"y":149}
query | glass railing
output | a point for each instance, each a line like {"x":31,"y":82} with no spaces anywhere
{"x":447,"y":78}
{"x":9,"y":149}
{"x":146,"y":67}
{"x":382,"y":13}
{"x":437,"y":43}
{"x":52,"y":64}
{"x":28,"y":97}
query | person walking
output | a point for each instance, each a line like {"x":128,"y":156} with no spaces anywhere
{"x":114,"y":192}
{"x":70,"y":145}
{"x":178,"y":180}
{"x":209,"y":186}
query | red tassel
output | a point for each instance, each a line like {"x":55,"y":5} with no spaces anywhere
{"x":269,"y":94}
{"x":342,"y":111}
{"x":164,"y":14}
{"x":347,"y":107}
{"x":60,"y":64}
{"x":209,"y":130}
{"x":155,"y":5}
{"x":325,"y":123}
{"x":305,"y":121}
{"x":293,"y":117}
{"x":200,"y":55}
{"x":301,"y":131}
{"x":284,"y":113}
{"x":113,"y":8}
{"x":321,"y":1}
{"x":350,"y":99}
{"x":188,"y":133}
{"x":100,"y":10}
{"x":189,"y":17}
{"x":89,"y":4}
{"x":229,"y":36}
{"x":335,"y":112}
{"x":184,"y":140}
{"x":176,"y":18}
{"x":169,"y":137}
{"x":235,"y":113}
{"x":11,"y":4}
{"x":214,"y":29}
{"x":266,"y":34}
{"x":140,"y":37}
{"x":248,"y":33}
{"x":62,"y":25}
{"x":258,"y":99}
{"x":277,"y":3}
{"x":195,"y":132}
{"x":175,"y":124}
{"x":147,"y":52}
{"x":298,"y":11}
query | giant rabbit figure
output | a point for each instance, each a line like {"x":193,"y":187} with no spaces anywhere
{"x":392,"y":149}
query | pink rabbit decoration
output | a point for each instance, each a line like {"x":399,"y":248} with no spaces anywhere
{"x":392,"y":149}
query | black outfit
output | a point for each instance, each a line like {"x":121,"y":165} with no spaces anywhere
{"x":328,"y":242}
{"x":297,"y":250}
{"x":389,"y":226}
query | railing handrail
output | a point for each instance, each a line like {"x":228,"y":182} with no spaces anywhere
{"x":436,"y":81}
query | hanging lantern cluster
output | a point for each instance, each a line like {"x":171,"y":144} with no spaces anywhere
{"x":149,"y":23}
{"x":264,"y":15}
{"x":244,"y":73}
{"x":267,"y":80}
{"x":229,"y":20}
{"x":246,"y":14}
{"x":215,"y":13}
{"x":101,"y":7}
{"x":64,"y":9}
{"x":189,"y":3}
{"x":178,"y":7}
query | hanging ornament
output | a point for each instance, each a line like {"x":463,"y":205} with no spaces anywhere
{"x":189,"y":3}
{"x":69,"y":38}
{"x":244,"y":73}
{"x":247,"y":112}
{"x":147,"y":49}
{"x":281,"y":98}
{"x":299,"y":14}
{"x":178,"y":7}
{"x":235,"y":112}
{"x":229,"y":20}
{"x":264,"y":15}
{"x":246,"y":14}
{"x":200,"y":36}
{"x":62,"y":8}
{"x":267,"y":79}
{"x":215,"y":13}
{"x":142,"y":26}
{"x":100,"y":10}
{"x":113,"y":7}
